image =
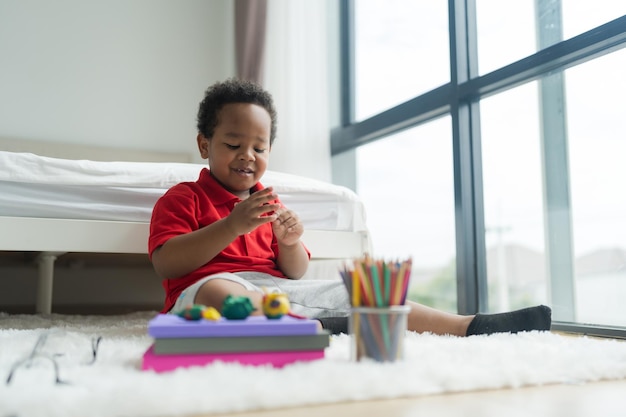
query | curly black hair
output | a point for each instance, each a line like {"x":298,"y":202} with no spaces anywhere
{"x":232,"y":90}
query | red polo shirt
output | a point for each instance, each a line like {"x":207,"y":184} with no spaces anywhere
{"x":187,"y":207}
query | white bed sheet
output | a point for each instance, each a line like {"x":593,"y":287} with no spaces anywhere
{"x":38,"y":186}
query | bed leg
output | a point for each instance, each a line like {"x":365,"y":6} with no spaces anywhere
{"x":45,"y":260}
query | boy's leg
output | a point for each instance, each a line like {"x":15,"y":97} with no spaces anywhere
{"x":212,"y":290}
{"x":323,"y":300}
{"x":213,"y":293}
{"x":526,"y":319}
{"x":426,"y":319}
{"x":310,"y":298}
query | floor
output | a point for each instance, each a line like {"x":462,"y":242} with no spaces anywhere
{"x":604,"y":399}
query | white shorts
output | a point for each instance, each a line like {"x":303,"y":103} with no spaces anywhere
{"x":308,"y":297}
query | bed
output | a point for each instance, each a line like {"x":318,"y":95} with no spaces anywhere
{"x":55,"y":206}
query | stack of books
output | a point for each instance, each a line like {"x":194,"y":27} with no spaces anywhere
{"x":255,"y":340}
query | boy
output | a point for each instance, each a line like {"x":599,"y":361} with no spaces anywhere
{"x":226,"y":234}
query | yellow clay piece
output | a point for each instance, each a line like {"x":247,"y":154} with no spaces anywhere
{"x":211,"y":313}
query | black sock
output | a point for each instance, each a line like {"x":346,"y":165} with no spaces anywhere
{"x":527,"y":319}
{"x":335,"y":325}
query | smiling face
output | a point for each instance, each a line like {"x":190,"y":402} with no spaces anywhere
{"x":238,"y":152}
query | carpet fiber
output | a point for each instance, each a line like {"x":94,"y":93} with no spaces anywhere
{"x":113,"y":384}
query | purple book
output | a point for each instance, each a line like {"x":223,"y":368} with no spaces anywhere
{"x":171,"y":325}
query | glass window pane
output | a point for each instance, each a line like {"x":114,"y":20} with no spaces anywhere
{"x":401,"y":51}
{"x":513,"y":199}
{"x":597,"y":148}
{"x":580,"y":16}
{"x":406,"y":183}
{"x":506,"y":30}
{"x":516,"y":207}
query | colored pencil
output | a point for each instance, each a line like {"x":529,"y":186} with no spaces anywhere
{"x":356,"y":302}
{"x":379,"y":285}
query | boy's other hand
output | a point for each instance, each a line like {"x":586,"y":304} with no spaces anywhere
{"x":254,"y":211}
{"x":287,"y":227}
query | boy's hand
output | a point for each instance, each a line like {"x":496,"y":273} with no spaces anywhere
{"x":287,"y":227}
{"x":253,"y":212}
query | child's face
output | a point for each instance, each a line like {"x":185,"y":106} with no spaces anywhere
{"x":239,"y":150}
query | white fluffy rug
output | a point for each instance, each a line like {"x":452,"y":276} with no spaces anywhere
{"x":115,"y":386}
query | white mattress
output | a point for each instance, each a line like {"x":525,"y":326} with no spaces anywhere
{"x":37,"y":186}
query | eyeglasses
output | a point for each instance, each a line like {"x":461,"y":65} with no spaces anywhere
{"x":36,"y":353}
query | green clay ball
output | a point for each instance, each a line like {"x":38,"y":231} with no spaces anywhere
{"x":237,"y":307}
{"x":192,"y":313}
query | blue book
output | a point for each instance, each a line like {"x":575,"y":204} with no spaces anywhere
{"x":171,"y":325}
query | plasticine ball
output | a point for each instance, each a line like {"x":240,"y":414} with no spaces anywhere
{"x":275,"y":305}
{"x":211,"y":313}
{"x":193,"y":312}
{"x":237,"y":307}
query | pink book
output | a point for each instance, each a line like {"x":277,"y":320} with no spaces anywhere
{"x":169,"y":362}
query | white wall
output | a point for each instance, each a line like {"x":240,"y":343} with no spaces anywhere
{"x":112,"y":73}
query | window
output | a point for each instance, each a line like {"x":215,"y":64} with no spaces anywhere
{"x":401,"y":49}
{"x":530,"y":114}
{"x":406,"y":183}
{"x":507,"y":31}
{"x":597,"y":150}
{"x":517,"y":210}
{"x":513,"y":199}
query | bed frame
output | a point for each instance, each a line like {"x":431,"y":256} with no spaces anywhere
{"x":51,"y":238}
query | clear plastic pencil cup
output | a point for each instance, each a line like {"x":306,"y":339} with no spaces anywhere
{"x":377,"y":333}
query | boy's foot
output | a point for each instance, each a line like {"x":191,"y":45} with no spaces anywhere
{"x":335,"y":325}
{"x":527,"y":319}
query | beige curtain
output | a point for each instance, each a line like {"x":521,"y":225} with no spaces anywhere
{"x":297,"y":76}
{"x":282,"y":45}
{"x":250,"y":23}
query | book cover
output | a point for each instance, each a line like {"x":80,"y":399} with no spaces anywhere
{"x":242,"y":343}
{"x":164,"y":363}
{"x":171,"y":325}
